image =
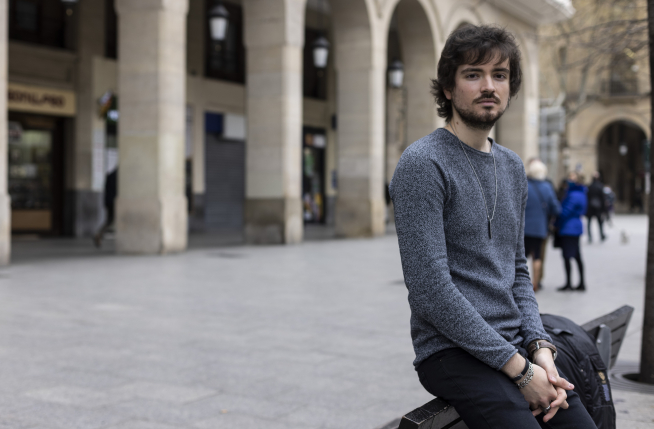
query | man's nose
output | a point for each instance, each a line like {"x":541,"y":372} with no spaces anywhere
{"x":487,"y":85}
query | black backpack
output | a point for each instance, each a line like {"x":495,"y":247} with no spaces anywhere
{"x":580,"y":363}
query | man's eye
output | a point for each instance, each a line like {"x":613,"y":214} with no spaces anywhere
{"x":501,"y":76}
{"x":471,"y":76}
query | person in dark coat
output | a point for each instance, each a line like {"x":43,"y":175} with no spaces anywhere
{"x":541,"y":205}
{"x":596,"y":206}
{"x":110,"y":193}
{"x":570,"y":228}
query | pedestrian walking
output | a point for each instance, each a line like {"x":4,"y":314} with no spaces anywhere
{"x":570,"y":228}
{"x":637,"y":200}
{"x":110,"y":193}
{"x":459,"y":201}
{"x":542,"y":204}
{"x":596,"y":206}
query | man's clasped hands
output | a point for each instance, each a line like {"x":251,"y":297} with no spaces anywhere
{"x":546,"y":388}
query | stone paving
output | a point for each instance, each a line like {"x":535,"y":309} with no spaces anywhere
{"x":299,"y":337}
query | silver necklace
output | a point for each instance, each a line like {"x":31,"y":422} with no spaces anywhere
{"x":488,"y":217}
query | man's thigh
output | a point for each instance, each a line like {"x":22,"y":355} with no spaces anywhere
{"x":488,"y":399}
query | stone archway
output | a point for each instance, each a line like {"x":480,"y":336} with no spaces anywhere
{"x":274,"y":37}
{"x":621,"y":155}
{"x":461,"y":15}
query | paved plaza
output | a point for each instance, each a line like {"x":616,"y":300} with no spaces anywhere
{"x":297,"y":337}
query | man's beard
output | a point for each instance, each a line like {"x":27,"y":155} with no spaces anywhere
{"x":478,"y":121}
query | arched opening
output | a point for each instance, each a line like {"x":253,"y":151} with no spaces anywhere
{"x":622,"y":149}
{"x":317,"y":134}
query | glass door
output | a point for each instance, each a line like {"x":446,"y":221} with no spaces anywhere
{"x":31,"y":175}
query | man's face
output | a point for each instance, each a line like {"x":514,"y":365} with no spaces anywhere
{"x":481,"y":93}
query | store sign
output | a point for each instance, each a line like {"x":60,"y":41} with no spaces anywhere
{"x":35,"y":99}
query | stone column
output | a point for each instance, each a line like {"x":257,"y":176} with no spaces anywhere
{"x":274,"y":37}
{"x":518,"y":128}
{"x":85,"y":189}
{"x":151,"y":212}
{"x":5,"y":205}
{"x":361,"y":71}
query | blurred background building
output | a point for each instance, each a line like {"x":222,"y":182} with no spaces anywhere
{"x":595,"y":97}
{"x":259,"y":116}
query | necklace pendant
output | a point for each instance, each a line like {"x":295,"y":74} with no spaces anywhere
{"x":490,"y":231}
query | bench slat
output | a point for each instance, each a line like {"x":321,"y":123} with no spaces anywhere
{"x":613,"y":320}
{"x":434,"y":414}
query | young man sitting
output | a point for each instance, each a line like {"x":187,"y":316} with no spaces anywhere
{"x":459,"y":201}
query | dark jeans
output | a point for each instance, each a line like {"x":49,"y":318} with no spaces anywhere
{"x":600,"y":221}
{"x":488,"y":399}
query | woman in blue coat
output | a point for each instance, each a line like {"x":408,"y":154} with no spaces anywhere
{"x":570,"y":228}
{"x":542,"y":204}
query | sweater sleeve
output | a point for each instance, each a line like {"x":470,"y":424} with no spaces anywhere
{"x":531,"y":327}
{"x":419,"y":195}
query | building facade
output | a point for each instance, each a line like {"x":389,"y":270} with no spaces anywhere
{"x":596,"y":92}
{"x":246,"y":133}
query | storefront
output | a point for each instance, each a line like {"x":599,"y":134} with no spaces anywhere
{"x":36,"y":145}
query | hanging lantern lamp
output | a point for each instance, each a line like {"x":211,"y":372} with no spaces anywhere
{"x":218,"y":22}
{"x":320,"y":52}
{"x":396,"y":74}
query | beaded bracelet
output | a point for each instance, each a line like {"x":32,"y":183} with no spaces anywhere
{"x":527,"y":380}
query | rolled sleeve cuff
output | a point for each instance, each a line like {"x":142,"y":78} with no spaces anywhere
{"x":506,"y":359}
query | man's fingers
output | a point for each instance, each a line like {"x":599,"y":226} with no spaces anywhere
{"x":562,"y":383}
{"x":560,"y":398}
{"x":551,"y":414}
{"x":554,"y":378}
{"x":552,"y":373}
{"x":536,"y":412}
{"x":559,"y":402}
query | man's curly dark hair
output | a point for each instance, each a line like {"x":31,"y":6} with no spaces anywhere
{"x":474,"y":45}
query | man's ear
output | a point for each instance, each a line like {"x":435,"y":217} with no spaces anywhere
{"x":448,"y":94}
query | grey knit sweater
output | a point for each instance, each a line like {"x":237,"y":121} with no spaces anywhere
{"x":465,"y":289}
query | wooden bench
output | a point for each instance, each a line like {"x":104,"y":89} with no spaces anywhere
{"x":609,"y":332}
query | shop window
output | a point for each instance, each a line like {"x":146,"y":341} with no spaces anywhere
{"x":111,"y":30}
{"x":35,"y":172}
{"x":43,"y":22}
{"x":314,"y":79}
{"x":226,"y":60}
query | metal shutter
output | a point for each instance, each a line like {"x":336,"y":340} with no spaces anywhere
{"x":225,"y":183}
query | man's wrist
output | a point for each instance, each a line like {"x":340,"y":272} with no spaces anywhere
{"x":525,"y":370}
{"x":514,"y":366}
{"x":537,"y":345}
{"x":543,"y":354}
